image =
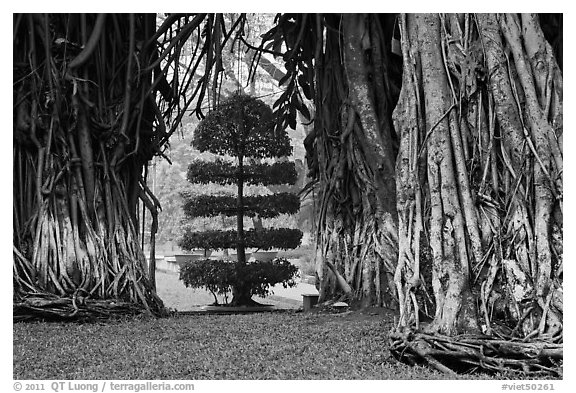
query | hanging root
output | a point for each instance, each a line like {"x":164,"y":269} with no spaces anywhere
{"x":473,"y":353}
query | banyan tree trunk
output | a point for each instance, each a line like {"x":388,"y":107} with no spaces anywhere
{"x":357,"y":235}
{"x":82,"y":136}
{"x":479,"y":180}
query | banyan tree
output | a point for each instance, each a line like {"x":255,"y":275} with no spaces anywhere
{"x":95,"y":98}
{"x":85,"y":125}
{"x":437,"y":154}
{"x":479,"y":180}
{"x":340,"y":64}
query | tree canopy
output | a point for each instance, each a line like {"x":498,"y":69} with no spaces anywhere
{"x":241,"y":126}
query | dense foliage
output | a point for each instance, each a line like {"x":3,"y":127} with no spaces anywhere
{"x":225,"y":173}
{"x":264,"y":239}
{"x":242,"y":126}
{"x":265,"y":206}
{"x":255,"y":278}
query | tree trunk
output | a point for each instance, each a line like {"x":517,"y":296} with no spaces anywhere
{"x":76,"y":242}
{"x":356,"y":246}
{"x":479,"y":177}
{"x":455,"y":308}
{"x":240,"y":249}
{"x":240,"y":296}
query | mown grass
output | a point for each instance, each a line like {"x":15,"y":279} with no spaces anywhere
{"x":277,"y":345}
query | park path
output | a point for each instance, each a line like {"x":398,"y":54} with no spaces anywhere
{"x":294,"y":293}
{"x":175,"y":295}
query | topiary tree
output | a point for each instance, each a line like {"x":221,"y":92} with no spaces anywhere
{"x":241,"y":127}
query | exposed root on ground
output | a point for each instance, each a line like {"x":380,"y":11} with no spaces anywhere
{"x":76,"y":308}
{"x":472,"y":353}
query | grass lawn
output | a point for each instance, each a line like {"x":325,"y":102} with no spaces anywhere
{"x":276,"y":345}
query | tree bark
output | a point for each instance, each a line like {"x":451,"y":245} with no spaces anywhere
{"x":356,"y":245}
{"x":479,"y":176}
{"x":77,"y":238}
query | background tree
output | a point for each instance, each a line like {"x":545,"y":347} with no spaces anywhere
{"x":169,"y":180}
{"x":242,"y":127}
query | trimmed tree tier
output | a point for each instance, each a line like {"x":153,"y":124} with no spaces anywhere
{"x":265,"y":239}
{"x":225,"y":172}
{"x":256,"y":277}
{"x":265,"y":206}
{"x":242,"y":126}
